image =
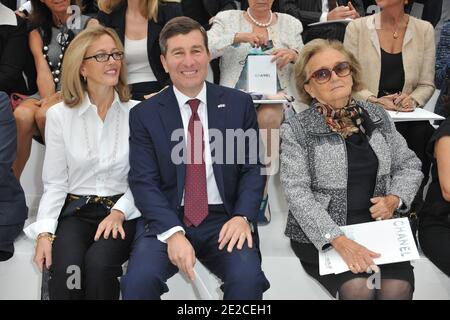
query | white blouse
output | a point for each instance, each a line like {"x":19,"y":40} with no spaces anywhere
{"x":138,"y":66}
{"x":84,"y":156}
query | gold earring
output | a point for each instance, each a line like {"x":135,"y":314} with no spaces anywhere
{"x":406,"y":1}
{"x":85,"y":78}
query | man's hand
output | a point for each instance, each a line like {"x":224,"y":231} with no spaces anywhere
{"x":236,"y":230}
{"x":342,"y":12}
{"x":182,"y":254}
{"x":383,"y":207}
{"x":352,"y":8}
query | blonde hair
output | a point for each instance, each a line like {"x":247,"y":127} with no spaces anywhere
{"x":73,"y":88}
{"x":148,"y":8}
{"x":311,"y":49}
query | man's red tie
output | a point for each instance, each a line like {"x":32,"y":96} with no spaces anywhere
{"x":195,"y":192}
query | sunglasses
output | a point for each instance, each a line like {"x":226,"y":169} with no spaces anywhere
{"x":103,"y":57}
{"x":342,"y":69}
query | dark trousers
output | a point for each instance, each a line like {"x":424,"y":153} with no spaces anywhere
{"x":149,"y":266}
{"x":83,"y":268}
{"x":417,"y":134}
{"x":7,"y":236}
{"x":435,"y":243}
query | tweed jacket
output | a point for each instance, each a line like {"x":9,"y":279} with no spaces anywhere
{"x":286,"y":33}
{"x":418,"y":54}
{"x":314,"y":172}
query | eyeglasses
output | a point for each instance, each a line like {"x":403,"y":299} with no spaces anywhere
{"x":103,"y":57}
{"x":342,"y":69}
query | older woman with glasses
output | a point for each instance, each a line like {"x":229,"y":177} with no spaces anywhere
{"x":86,"y":217}
{"x":342,"y":163}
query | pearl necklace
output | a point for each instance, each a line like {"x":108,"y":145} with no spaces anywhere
{"x":260,"y":24}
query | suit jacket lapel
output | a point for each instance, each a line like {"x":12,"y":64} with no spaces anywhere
{"x":216,"y":120}
{"x":171,"y":118}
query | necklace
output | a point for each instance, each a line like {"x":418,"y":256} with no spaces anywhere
{"x":395,"y":33}
{"x":260,"y":24}
{"x":63,"y":39}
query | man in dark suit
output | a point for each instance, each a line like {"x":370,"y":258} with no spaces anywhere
{"x":312,"y":11}
{"x":13,"y":210}
{"x":194,"y":207}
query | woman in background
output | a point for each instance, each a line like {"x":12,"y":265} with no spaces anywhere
{"x":54,"y":30}
{"x":138,"y":24}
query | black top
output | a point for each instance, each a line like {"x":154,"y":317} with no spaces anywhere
{"x":392,"y":77}
{"x":195,"y":9}
{"x":166,"y":11}
{"x":13,"y":50}
{"x":362,"y":175}
{"x":203,"y":10}
{"x":436,"y":208}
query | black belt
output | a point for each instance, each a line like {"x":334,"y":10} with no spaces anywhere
{"x":75,"y":202}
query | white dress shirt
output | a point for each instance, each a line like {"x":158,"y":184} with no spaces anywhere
{"x":325,"y":11}
{"x":84,"y":156}
{"x":211,"y":184}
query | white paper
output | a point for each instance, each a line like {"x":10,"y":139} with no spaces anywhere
{"x":418,"y":114}
{"x":268,"y":101}
{"x":344,"y":21}
{"x":262,"y":74}
{"x":391,"y":238}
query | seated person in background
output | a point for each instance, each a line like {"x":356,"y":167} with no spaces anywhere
{"x":232,"y":37}
{"x":432,"y":10}
{"x":47,"y":43}
{"x":13,"y":48}
{"x":13,"y":210}
{"x":312,"y":11}
{"x":86,"y":216}
{"x":442,"y":76}
{"x":434,"y":227}
{"x":138,"y":24}
{"x":397,"y":54}
{"x":193,"y":208}
{"x":243,"y":4}
{"x":202,"y":11}
{"x":343,"y":162}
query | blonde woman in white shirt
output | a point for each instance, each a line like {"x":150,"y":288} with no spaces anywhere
{"x":86,"y":218}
